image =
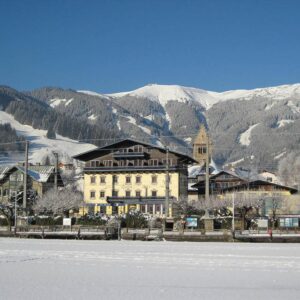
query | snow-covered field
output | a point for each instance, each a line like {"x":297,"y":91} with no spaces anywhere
{"x":59,"y":269}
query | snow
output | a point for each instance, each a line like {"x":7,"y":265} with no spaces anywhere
{"x":197,"y":170}
{"x":56,"y":101}
{"x":119,"y":125}
{"x":245,"y":137}
{"x":69,"y":101}
{"x":294,"y":108}
{"x":282,"y":123}
{"x":188,"y":140}
{"x":145,"y":129}
{"x":165,"y":93}
{"x":92,"y":117}
{"x":279,"y":155}
{"x":235,"y":162}
{"x":168,"y":118}
{"x":40,"y":146}
{"x":76,"y":269}
{"x":131,"y":120}
{"x":91,"y":93}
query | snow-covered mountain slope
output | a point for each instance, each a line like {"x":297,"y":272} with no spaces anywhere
{"x":165,"y":93}
{"x":40,"y":146}
{"x":171,"y":115}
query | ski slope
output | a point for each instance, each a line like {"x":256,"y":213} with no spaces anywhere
{"x":40,"y":145}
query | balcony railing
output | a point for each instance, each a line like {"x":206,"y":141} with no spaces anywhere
{"x":128,"y":155}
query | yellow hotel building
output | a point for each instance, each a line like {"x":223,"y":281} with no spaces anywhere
{"x":132,"y":175}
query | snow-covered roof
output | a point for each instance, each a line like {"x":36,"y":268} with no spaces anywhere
{"x":39,"y":173}
{"x":4,"y":170}
{"x":197,"y":170}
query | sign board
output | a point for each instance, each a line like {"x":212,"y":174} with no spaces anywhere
{"x":67,"y":221}
{"x":191,"y":222}
{"x":262,"y":223}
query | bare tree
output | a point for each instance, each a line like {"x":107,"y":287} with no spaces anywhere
{"x":7,"y":210}
{"x":59,"y":202}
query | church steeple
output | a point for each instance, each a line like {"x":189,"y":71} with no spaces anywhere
{"x":200,"y":146}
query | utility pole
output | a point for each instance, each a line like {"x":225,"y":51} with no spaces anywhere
{"x":233,"y":216}
{"x":25,"y":177}
{"x":167,"y":183}
{"x":56,"y":170}
{"x":207,"y":171}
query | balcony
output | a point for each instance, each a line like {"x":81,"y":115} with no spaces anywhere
{"x":129,"y":155}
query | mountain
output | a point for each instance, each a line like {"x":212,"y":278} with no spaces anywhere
{"x":254,"y":128}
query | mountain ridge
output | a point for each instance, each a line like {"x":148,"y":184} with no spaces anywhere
{"x":255,"y":128}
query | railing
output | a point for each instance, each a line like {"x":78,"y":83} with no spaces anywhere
{"x":131,"y":168}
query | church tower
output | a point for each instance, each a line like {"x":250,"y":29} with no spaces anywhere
{"x":200,"y":146}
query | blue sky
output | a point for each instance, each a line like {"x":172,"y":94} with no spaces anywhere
{"x":112,"y":46}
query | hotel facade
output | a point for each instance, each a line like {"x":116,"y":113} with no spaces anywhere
{"x":132,"y":175}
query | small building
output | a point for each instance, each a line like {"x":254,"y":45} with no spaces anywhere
{"x":39,"y":179}
{"x":219,"y":182}
{"x":132,"y":175}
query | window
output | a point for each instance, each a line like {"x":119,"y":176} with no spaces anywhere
{"x":115,"y":193}
{"x":138,"y":193}
{"x":92,"y":194}
{"x":128,"y":179}
{"x":154,"y":193}
{"x":108,"y":163}
{"x":138,"y":148}
{"x":130,"y":162}
{"x":127,"y":193}
{"x":157,"y":208}
{"x":202,"y":150}
{"x":115,"y":179}
{"x":143,"y":208}
{"x":102,"y":209}
{"x":93,"y":179}
{"x":138,"y":179}
{"x":153,"y":162}
{"x":102,"y":179}
{"x":102,"y":194}
{"x":154,"y":179}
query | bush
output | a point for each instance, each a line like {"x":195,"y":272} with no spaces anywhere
{"x":90,"y":221}
{"x":48,"y":221}
{"x":135,"y":219}
{"x":3,"y":221}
